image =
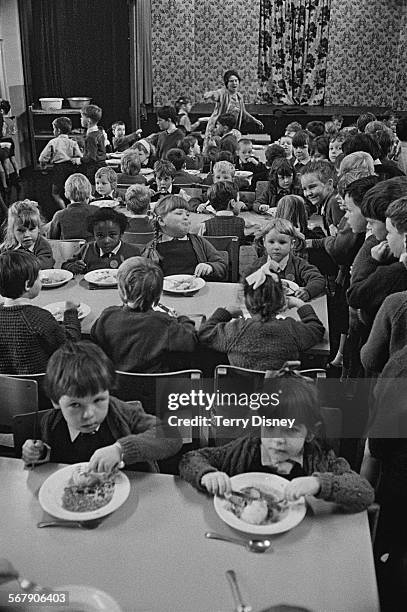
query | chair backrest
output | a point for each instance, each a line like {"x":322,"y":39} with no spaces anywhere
{"x":247,"y":197}
{"x":65,"y":249}
{"x":24,"y":427}
{"x":230,"y":244}
{"x":139,"y":239}
{"x":18,"y":395}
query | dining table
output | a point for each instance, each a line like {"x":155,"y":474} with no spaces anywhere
{"x":203,"y":302}
{"x":150,"y":554}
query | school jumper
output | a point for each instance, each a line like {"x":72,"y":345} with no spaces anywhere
{"x":95,"y":261}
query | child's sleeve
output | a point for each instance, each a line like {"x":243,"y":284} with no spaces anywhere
{"x":150,"y":439}
{"x":389,"y":321}
{"x":181,"y":335}
{"x":43,"y":252}
{"x":195,"y":464}
{"x":263,"y":199}
{"x":76,"y":152}
{"x":216,"y":259}
{"x":369,"y":294}
{"x":218,"y":332}
{"x":310,"y":278}
{"x":55,"y":227}
{"x":343,"y":486}
{"x":46,"y":153}
{"x":309,"y":330}
{"x":202,"y":229}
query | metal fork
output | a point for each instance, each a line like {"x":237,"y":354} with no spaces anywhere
{"x":237,"y":596}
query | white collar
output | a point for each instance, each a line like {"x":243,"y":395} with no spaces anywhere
{"x":166,"y":238}
{"x":93,"y":128}
{"x":278,"y":267}
{"x":114,"y":252}
{"x":8,"y":302}
{"x":74,"y":433}
{"x":283,"y":467}
{"x":224,"y":213}
{"x":31,"y":249}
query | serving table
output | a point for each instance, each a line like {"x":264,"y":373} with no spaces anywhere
{"x":151,"y":555}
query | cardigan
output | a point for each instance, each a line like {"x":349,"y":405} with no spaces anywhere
{"x":250,"y":343}
{"x":72,"y":222}
{"x":303,"y":273}
{"x":42,"y":251}
{"x":94,"y":261}
{"x":142,"y":436}
{"x":30,"y":334}
{"x":338,"y":482}
{"x":142,"y":341}
{"x":388,"y":334}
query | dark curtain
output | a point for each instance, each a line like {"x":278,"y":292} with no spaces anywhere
{"x":81,"y":48}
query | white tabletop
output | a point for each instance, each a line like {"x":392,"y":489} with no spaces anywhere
{"x":203,"y":302}
{"x":151,"y":554}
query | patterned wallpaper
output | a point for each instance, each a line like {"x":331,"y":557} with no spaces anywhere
{"x":195,"y":41}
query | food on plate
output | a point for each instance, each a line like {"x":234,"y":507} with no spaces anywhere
{"x":287,"y":288}
{"x":87,"y":490}
{"x":53,"y":277}
{"x":185,"y":284}
{"x":58,"y":313}
{"x":257,"y":506}
{"x":104,"y":276}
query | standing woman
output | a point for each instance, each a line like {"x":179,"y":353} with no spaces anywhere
{"x":228,"y":100}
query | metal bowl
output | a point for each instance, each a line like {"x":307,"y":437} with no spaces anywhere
{"x":78,"y":102}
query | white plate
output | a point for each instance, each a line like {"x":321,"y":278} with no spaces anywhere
{"x":146,"y":171}
{"x":116,"y":155}
{"x":106,"y":277}
{"x":192,"y":171}
{"x":244,"y":174}
{"x":57,"y":310}
{"x":58,"y":277}
{"x":112,"y":162}
{"x":290,"y":285}
{"x":295,"y":514}
{"x":203,"y":119}
{"x":52,"y":490}
{"x":105,"y":203}
{"x":87,"y":599}
{"x":170,"y":283}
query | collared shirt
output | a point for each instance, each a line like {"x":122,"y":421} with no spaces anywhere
{"x":60,"y":149}
{"x":19,"y":246}
{"x":224,"y":213}
{"x":278,"y":267}
{"x":74,"y":433}
{"x":8,"y":302}
{"x":166,"y":238}
{"x":92,"y":128}
{"x":113,"y":252}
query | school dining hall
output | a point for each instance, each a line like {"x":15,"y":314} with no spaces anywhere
{"x":203,"y":306}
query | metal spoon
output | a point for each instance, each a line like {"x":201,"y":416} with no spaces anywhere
{"x":257,"y":546}
{"x":240,"y":605}
{"x":81,"y":524}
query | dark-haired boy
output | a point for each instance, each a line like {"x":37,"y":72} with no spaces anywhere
{"x":178,"y":159}
{"x":301,"y":149}
{"x":170,"y":136}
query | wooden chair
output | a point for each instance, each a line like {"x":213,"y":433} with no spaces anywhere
{"x":65,"y":249}
{"x":138,"y":239}
{"x":230,"y":244}
{"x":24,"y":426}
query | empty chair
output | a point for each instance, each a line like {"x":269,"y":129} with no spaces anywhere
{"x":17,"y":395}
{"x":65,"y":249}
{"x":230,"y":244}
{"x":24,"y":428}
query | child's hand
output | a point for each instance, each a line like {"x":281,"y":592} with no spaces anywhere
{"x":294,"y":302}
{"x":304,"y":485}
{"x":203,"y":269}
{"x":201,"y":207}
{"x":333,"y":230}
{"x":259,"y":124}
{"x":234,"y":311}
{"x":263,"y":207}
{"x":216,"y":483}
{"x":381,"y":251}
{"x":77,"y":267}
{"x":105,"y":459}
{"x":32,"y":451}
{"x":302,"y":294}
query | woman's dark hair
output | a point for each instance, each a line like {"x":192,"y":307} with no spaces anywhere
{"x":265,"y":301}
{"x":228,"y":74}
{"x":378,"y":198}
{"x":108,"y":214}
{"x":401,"y":129}
{"x":78,"y":369}
{"x":16,"y":269}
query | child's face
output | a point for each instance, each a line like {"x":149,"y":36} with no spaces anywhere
{"x":287,"y":144}
{"x":188,"y":107}
{"x":301,"y":153}
{"x":175,"y":223}
{"x":163,"y":124}
{"x":220,"y":129}
{"x":245,"y":151}
{"x":335,"y":149}
{"x":35,"y":289}
{"x":85,"y":121}
{"x":26,"y":236}
{"x":289,"y":134}
{"x":285,"y":182}
{"x":195,"y":149}
{"x":378,"y":228}
{"x":222,"y":174}
{"x":314,"y":189}
{"x":142,"y":153}
{"x":164,"y":183}
{"x":277,"y":245}
{"x":55,"y":130}
{"x":107,"y":235}
{"x":103,"y":186}
{"x":119,"y":131}
{"x":282,"y":443}
{"x":395,"y":240}
{"x":84,"y":414}
{"x":354,"y":215}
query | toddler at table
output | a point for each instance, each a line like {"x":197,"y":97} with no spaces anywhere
{"x":176,"y":250}
{"x":94,"y":155}
{"x":72,"y":222}
{"x":282,"y":181}
{"x":277,"y":240}
{"x":135,"y":336}
{"x":300,"y":454}
{"x":262,"y":341}
{"x":106,"y":185}
{"x":108,"y":250}
{"x":28,"y":334}
{"x":222,"y":197}
{"x":23,"y":232}
{"x":164,"y":172}
{"x":88,"y":424}
{"x":62,"y":152}
{"x":130,"y":167}
{"x":122,"y":141}
{"x":192,"y":150}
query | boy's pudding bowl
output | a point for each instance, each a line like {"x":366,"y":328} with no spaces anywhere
{"x":54,"y":278}
{"x":183,"y":283}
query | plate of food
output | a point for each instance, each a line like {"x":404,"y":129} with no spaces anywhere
{"x":183,"y":283}
{"x":105,"y":203}
{"x":74,"y":493}
{"x":145,"y":171}
{"x":244,"y":174}
{"x":260,"y":507}
{"x":193,"y":172}
{"x":112,"y":162}
{"x":57,"y":309}
{"x":106,"y":277}
{"x":289,"y":286}
{"x":54,"y":278}
{"x":203,"y":119}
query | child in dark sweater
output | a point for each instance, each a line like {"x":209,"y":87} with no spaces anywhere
{"x":94,"y":155}
{"x":72,"y":222}
{"x":222,"y":196}
{"x":282,"y":182}
{"x":299,"y":454}
{"x":263,"y":341}
{"x":135,"y":336}
{"x":28,"y":334}
{"x":108,"y":250}
{"x":176,"y":250}
{"x":79,"y":378}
